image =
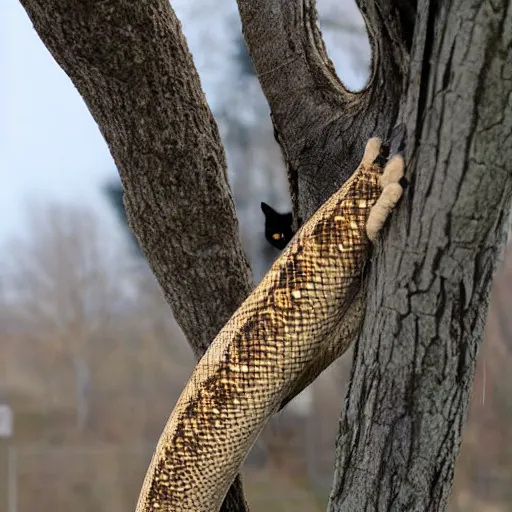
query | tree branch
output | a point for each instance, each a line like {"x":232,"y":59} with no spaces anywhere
{"x":430,"y":280}
{"x":321,"y":126}
{"x":131,"y":64}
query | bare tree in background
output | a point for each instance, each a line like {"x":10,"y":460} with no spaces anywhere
{"x":74,"y":336}
{"x":441,"y":67}
{"x":63,"y":283}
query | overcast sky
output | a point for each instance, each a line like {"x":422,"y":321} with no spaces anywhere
{"x":50,"y":147}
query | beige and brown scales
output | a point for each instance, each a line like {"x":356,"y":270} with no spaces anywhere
{"x":301,"y":317}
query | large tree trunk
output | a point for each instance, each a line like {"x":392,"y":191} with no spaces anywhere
{"x":429,"y":284}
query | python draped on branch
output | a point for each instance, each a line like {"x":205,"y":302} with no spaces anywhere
{"x":301,"y":317}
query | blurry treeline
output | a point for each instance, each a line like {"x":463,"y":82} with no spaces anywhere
{"x":92,"y":361}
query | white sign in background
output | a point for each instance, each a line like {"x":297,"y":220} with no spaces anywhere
{"x":5,"y":421}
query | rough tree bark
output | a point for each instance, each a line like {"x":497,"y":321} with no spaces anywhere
{"x":321,"y":126}
{"x":430,"y":282}
{"x":131,"y":64}
{"x":430,"y":279}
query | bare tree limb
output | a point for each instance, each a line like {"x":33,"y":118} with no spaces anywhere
{"x":430,"y":281}
{"x":131,"y":64}
{"x":321,"y":126}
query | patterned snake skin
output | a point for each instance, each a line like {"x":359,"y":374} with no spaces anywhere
{"x":298,"y":320}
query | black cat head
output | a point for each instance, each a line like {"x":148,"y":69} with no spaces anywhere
{"x":278,"y":227}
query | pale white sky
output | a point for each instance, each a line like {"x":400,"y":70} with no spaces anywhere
{"x":50,"y":147}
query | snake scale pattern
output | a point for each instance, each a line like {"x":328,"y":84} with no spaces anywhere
{"x":301,"y":317}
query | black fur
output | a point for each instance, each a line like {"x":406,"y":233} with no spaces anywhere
{"x":278,"y":227}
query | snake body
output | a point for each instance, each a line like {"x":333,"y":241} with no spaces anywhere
{"x":298,"y":320}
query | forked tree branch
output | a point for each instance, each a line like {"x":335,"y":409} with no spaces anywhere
{"x":321,"y":126}
{"x":131,"y":64}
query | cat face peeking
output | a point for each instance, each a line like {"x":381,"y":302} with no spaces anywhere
{"x":278,"y":227}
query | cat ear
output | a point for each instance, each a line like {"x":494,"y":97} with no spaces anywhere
{"x":267,"y":210}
